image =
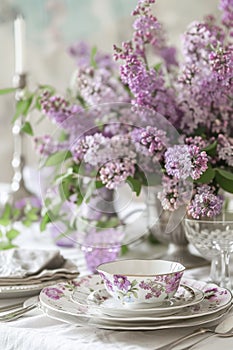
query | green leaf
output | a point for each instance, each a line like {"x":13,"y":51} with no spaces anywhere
{"x":124,"y":249}
{"x":6,"y":215}
{"x":27,"y":128}
{"x":32,"y":214}
{"x":92,"y":59}
{"x":5,"y":222}
{"x":134,"y":283}
{"x":211,"y":149}
{"x":64,"y":189}
{"x":12,"y":234}
{"x":7,"y":245}
{"x":157,"y":66}
{"x":22,"y":107}
{"x":224,"y":179}
{"x":57,"y":158}
{"x":134,"y":184}
{"x":207,"y":176}
{"x":152,"y":239}
{"x":7,"y":91}
{"x":99,"y":184}
{"x":226,"y":174}
{"x":27,"y":222}
{"x":45,"y":220}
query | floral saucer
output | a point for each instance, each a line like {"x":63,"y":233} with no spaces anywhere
{"x":101,"y":301}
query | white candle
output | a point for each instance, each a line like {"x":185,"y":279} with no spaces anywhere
{"x":20,"y":41}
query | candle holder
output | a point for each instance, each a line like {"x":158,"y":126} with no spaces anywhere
{"x":18,"y":187}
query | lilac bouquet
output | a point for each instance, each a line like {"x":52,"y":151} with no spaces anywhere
{"x":114,"y":123}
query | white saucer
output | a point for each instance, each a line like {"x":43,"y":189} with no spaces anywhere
{"x":100,"y":301}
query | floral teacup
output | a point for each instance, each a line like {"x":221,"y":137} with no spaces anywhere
{"x":141,"y":282}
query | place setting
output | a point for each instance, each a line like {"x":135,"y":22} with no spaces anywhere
{"x":136,"y":294}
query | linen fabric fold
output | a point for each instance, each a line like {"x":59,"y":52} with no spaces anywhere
{"x":25,"y":266}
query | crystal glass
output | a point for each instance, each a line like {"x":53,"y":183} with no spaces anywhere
{"x":213,"y":238}
{"x":101,"y":246}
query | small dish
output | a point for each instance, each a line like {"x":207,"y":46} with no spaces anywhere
{"x":100,"y":301}
{"x":136,"y":281}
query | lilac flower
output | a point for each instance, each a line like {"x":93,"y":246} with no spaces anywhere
{"x":115,"y":172}
{"x":58,"y":108}
{"x":182,"y":161}
{"x":199,"y":38}
{"x":89,"y":149}
{"x":34,"y":202}
{"x":205,"y":203}
{"x":121,"y":282}
{"x":45,"y":145}
{"x":99,"y":88}
{"x":199,"y":161}
{"x":225,"y":149}
{"x":227,"y":8}
{"x":221,"y":62}
{"x":146,"y":84}
{"x":153,"y":139}
{"x":175,"y":193}
{"x":197,"y":141}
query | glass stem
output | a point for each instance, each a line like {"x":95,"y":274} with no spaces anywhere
{"x":215,"y":269}
{"x":225,"y":269}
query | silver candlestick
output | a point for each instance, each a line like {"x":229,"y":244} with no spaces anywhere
{"x":17,"y":185}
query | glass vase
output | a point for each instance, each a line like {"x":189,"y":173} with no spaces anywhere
{"x":101,"y":232}
{"x":168,"y":229}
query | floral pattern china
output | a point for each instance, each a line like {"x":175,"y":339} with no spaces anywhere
{"x":99,"y":301}
{"x":59,"y":298}
{"x":150,"y":288}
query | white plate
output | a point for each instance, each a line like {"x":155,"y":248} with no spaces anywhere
{"x":58,"y":298}
{"x":85,"y":321}
{"x":101,"y":302}
{"x":21,"y":291}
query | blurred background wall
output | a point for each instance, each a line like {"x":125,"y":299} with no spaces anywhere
{"x":52,"y":25}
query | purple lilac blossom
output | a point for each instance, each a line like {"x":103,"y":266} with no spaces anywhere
{"x":221,"y":62}
{"x":227,"y":13}
{"x":175,"y":193}
{"x":59,"y":109}
{"x":225,"y":149}
{"x":115,"y":172}
{"x":99,"y":88}
{"x":146,"y":84}
{"x":205,"y":203}
{"x":89,"y":148}
{"x":34,"y":202}
{"x":182,"y":161}
{"x":197,"y":141}
{"x":81,"y":52}
{"x":45,"y":145}
{"x":121,"y":282}
{"x":153,"y":139}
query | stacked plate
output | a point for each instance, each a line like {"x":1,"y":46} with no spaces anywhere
{"x":85,"y":300}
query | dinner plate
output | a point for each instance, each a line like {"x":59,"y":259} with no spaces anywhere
{"x":82,"y":320}
{"x":100,"y":301}
{"x":20,"y":291}
{"x":59,"y":299}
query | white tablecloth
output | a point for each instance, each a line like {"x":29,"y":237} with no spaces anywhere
{"x":38,"y":332}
